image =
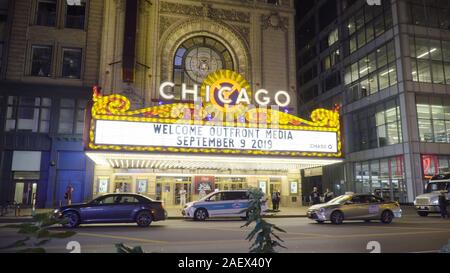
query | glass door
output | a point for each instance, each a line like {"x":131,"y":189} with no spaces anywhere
{"x":25,"y":194}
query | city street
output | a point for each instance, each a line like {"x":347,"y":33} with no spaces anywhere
{"x":409,"y":234}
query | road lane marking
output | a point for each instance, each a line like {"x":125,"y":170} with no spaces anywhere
{"x":122,"y":238}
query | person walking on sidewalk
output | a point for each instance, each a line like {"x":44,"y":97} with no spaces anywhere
{"x":443,"y":204}
{"x":315,"y":196}
{"x":327,"y":196}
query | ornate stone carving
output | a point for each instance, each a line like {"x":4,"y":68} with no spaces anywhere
{"x":176,"y":8}
{"x":228,"y":35}
{"x":164,"y":23}
{"x":206,"y":10}
{"x":244,"y":31}
{"x":229,"y":15}
{"x":280,"y":3}
{"x":274,"y":20}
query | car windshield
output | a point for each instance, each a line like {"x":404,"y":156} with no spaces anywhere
{"x":207,"y":196}
{"x":437,"y":186}
{"x":340,"y":199}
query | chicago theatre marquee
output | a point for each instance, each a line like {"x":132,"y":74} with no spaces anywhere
{"x":201,"y":95}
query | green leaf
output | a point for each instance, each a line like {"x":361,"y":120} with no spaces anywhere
{"x":28,"y":229}
{"x":62,"y":235}
{"x":43,"y":233}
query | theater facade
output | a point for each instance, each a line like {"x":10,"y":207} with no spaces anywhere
{"x":202,"y":95}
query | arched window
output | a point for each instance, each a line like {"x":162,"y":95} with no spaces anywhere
{"x":196,"y":58}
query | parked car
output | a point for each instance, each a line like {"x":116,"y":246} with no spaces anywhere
{"x":220,"y":204}
{"x":113,"y":208}
{"x":429,"y":201}
{"x":351,"y":206}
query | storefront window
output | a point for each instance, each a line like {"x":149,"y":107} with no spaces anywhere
{"x":384,"y":177}
{"x":434,"y":164}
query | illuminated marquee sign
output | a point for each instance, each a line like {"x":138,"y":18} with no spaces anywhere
{"x":226,"y":89}
{"x":193,"y":128}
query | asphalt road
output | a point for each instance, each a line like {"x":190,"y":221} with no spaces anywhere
{"x":409,"y":234}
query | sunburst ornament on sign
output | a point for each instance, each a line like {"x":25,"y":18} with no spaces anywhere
{"x":229,"y":85}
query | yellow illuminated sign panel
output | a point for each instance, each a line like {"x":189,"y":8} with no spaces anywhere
{"x":193,"y":128}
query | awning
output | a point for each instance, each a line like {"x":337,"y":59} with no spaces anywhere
{"x":207,"y":162}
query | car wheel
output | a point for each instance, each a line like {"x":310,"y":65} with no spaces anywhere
{"x":200,"y":215}
{"x":386,"y":217}
{"x":422,"y":213}
{"x":320,"y":222}
{"x":144,"y":219}
{"x":337,"y":217}
{"x":72,"y":220}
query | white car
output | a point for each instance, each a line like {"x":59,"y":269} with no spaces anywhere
{"x":220,"y":204}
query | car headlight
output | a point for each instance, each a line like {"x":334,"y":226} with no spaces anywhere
{"x":435,"y":202}
{"x":321,"y":210}
{"x":56,"y":211}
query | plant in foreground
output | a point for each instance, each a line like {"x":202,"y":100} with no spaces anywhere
{"x":263,"y":230}
{"x":37,"y":233}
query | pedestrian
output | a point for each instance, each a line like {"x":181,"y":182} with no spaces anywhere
{"x":278,"y":200}
{"x":315,"y":196}
{"x":443,"y":204}
{"x":182,"y":193}
{"x":274,"y":200}
{"x":68,"y":194}
{"x":328,"y":195}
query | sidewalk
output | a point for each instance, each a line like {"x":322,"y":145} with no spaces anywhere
{"x":172,"y":212}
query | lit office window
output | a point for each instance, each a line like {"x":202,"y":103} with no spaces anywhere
{"x":430,"y":13}
{"x":376,"y":126}
{"x":41,"y":60}
{"x":430,"y":60}
{"x":372,"y":73}
{"x":28,"y":114}
{"x":75,"y":15}
{"x":71,"y":67}
{"x":367,"y":24}
{"x":46,"y":13}
{"x":433,"y":117}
